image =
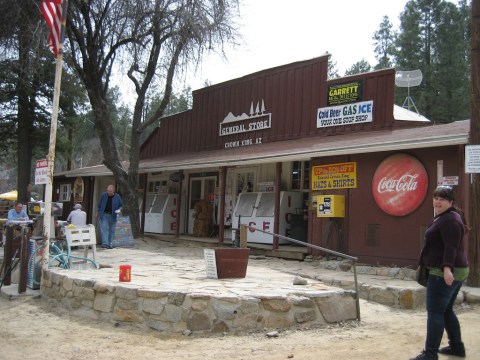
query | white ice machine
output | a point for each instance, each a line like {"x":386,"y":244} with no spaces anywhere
{"x":257,"y":209}
{"x":161,"y":213}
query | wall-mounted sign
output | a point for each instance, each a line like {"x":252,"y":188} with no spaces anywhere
{"x":78,"y":189}
{"x":348,"y":114}
{"x":344,"y":93}
{"x":175,"y":177}
{"x":266,"y":186}
{"x":257,"y":120}
{"x":450,"y":180}
{"x":334,"y":176}
{"x":472,"y":159}
{"x":400,"y":184}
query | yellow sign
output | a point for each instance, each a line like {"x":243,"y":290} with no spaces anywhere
{"x":334,"y":176}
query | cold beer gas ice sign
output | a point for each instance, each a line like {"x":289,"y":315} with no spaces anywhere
{"x":400,"y":184}
{"x":356,"y":113}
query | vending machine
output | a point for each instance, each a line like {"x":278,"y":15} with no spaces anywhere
{"x":161,"y":213}
{"x":257,"y":209}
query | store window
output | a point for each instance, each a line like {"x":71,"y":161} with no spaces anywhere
{"x":65,"y":192}
{"x":300,"y":175}
{"x":155,"y":187}
{"x":161,"y":187}
{"x":245,"y":181}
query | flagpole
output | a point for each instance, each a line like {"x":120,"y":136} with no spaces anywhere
{"x":47,"y":216}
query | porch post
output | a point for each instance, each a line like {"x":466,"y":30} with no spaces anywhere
{"x":144,"y":200}
{"x":276,"y":218}
{"x":221,"y":210}
{"x":179,"y":203}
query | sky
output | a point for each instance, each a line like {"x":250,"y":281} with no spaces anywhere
{"x":279,"y":32}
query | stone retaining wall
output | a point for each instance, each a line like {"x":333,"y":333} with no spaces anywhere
{"x":404,"y":297}
{"x":179,"y":312}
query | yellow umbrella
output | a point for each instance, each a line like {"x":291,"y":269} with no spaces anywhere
{"x":11,"y":195}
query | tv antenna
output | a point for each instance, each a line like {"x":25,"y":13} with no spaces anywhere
{"x":408,"y":79}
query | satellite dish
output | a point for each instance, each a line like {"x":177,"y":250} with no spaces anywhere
{"x":408,"y":79}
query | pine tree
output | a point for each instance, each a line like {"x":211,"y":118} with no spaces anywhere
{"x":384,"y":42}
{"x":359,"y":67}
{"x":433,"y":38}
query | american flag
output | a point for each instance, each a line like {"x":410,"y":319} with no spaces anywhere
{"x":52,"y":12}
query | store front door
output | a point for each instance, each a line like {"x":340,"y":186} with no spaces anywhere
{"x":202,"y":193}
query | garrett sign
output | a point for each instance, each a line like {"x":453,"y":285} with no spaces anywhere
{"x":400,"y":184}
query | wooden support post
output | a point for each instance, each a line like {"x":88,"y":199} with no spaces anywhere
{"x":243,"y":236}
{"x":22,"y":282}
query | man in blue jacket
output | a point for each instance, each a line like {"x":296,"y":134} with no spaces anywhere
{"x":109,"y":206}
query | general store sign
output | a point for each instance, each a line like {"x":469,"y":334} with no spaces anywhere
{"x":41,"y":170}
{"x":334,"y":176}
{"x":349,"y":114}
{"x":258,"y":119}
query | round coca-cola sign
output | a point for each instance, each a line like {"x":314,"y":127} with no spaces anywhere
{"x":400,"y":184}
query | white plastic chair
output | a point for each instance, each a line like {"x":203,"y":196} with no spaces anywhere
{"x":82,"y":236}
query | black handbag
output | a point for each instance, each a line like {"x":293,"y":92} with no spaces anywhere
{"x":422,"y":275}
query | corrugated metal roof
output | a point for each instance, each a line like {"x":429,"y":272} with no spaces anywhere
{"x":96,"y":170}
{"x":455,"y":133}
{"x":402,"y":114}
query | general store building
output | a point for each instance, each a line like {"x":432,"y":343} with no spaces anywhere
{"x":329,"y":162}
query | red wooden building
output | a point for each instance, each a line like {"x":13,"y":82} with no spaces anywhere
{"x":267,"y":145}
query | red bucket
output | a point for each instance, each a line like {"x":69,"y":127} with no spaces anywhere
{"x":125,"y":273}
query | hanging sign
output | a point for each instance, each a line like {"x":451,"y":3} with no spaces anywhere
{"x":41,"y":170}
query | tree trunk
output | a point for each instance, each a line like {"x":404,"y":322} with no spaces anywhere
{"x":474,"y":213}
{"x":26,"y":115}
{"x":126,"y":181}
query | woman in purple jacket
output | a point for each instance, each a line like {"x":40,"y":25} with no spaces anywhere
{"x":444,"y":255}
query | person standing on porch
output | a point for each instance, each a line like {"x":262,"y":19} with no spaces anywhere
{"x":109,"y":206}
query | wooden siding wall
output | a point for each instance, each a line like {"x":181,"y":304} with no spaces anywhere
{"x":291,"y":93}
{"x":400,"y":238}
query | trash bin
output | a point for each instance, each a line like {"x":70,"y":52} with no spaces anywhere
{"x":231,"y":262}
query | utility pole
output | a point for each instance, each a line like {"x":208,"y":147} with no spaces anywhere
{"x":473,"y":237}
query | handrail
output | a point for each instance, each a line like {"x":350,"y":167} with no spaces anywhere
{"x":243,"y":231}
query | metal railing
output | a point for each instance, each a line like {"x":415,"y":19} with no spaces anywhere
{"x":243,"y":241}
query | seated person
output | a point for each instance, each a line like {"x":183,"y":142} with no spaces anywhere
{"x":17,"y":213}
{"x":77,"y":217}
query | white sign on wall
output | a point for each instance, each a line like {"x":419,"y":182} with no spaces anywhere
{"x":472,"y":158}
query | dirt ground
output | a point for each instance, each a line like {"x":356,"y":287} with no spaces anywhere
{"x":30,"y":330}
